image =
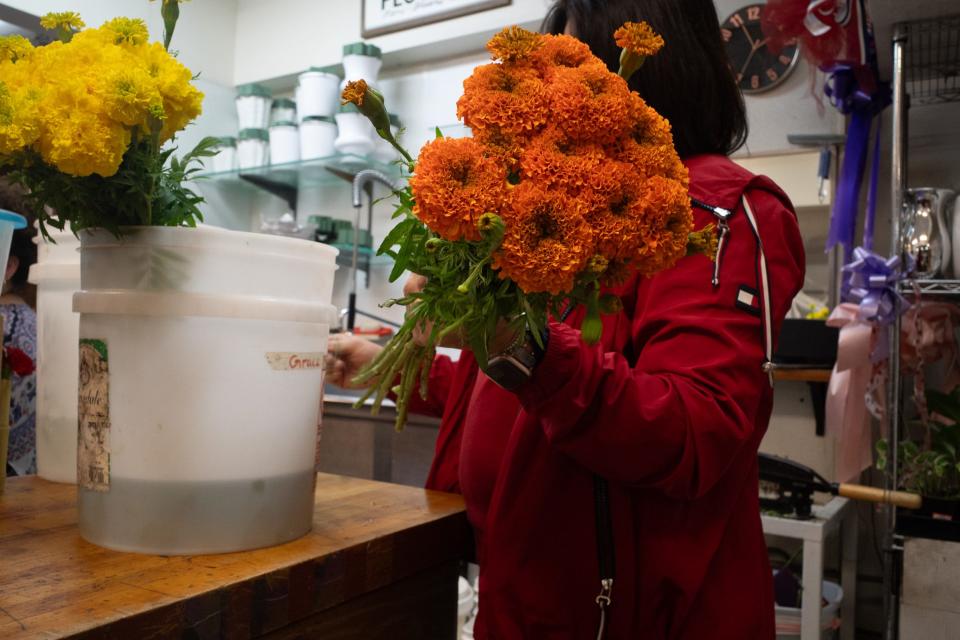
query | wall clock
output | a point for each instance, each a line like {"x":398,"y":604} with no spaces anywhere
{"x":756,"y":67}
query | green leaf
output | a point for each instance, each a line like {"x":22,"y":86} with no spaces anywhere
{"x":439,"y":134}
{"x":395,"y":235}
{"x":403,"y":256}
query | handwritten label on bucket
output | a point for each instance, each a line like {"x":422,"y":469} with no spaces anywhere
{"x":93,"y":457}
{"x":293,"y":361}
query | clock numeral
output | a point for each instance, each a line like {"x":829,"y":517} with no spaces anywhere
{"x":772,"y":75}
{"x":785,"y":59}
{"x":753,"y":14}
{"x":755,"y":82}
{"x":727,"y":34}
{"x":736,"y":20}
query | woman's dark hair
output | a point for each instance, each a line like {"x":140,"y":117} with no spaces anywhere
{"x":13,"y":198}
{"x":689,"y":82}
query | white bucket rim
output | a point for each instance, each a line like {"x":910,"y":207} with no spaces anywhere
{"x":208,"y":237}
{"x":42,"y":272}
{"x":179,"y":304}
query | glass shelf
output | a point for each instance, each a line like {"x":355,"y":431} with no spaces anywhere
{"x":277,"y":178}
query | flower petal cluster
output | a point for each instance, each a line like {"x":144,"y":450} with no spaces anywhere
{"x":80,"y":103}
{"x":456,"y":182}
{"x":582,"y":172}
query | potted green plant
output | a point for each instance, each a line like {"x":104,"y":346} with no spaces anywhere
{"x":201,"y":349}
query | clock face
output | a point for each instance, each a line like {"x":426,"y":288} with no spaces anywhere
{"x":756,"y":67}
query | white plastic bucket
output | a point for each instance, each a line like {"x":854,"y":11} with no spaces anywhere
{"x":788,"y":618}
{"x":464,"y":603}
{"x":57,"y":276}
{"x":317,"y":136}
{"x":253,"y":148}
{"x":200,"y":388}
{"x":317,"y":94}
{"x":284,"y":143}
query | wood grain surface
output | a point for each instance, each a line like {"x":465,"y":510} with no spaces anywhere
{"x":368,"y":540}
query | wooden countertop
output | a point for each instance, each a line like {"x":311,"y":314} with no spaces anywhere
{"x":366,"y":536}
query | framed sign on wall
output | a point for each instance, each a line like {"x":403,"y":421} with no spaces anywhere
{"x":387,"y":16}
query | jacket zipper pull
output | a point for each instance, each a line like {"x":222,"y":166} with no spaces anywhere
{"x":603,"y":601}
{"x":724,"y":230}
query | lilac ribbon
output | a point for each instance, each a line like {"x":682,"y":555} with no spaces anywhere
{"x":870,"y":282}
{"x":845,"y":89}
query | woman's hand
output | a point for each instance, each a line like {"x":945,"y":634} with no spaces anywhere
{"x":346,"y":356}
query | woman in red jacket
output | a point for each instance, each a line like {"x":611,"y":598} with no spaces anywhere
{"x":618,"y":486}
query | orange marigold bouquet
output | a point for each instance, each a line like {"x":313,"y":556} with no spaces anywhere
{"x":570,"y":183}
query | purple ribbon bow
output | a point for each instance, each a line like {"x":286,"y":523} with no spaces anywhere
{"x":870,"y":281}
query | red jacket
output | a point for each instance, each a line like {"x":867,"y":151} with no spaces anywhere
{"x":675,"y":434}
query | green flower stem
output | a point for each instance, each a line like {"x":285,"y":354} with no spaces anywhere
{"x":474,"y":274}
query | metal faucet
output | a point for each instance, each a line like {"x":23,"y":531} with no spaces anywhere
{"x":362,"y":181}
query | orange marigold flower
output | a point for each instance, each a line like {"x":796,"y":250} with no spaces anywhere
{"x":618,"y":210}
{"x":455,"y":183}
{"x":514,"y":43}
{"x":508,"y":97}
{"x":651,"y":159}
{"x":547,"y":241}
{"x":590,"y":104}
{"x":554,"y":160}
{"x":354,"y":92}
{"x":562,"y":52}
{"x":669,"y":223}
{"x":638,"y":38}
{"x":505,"y":147}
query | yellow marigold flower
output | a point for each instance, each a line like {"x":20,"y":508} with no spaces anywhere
{"x":63,"y":20}
{"x":638,"y":41}
{"x":131,"y":31}
{"x":14,"y":47}
{"x":18,"y":120}
{"x":513,"y":44}
{"x":132,"y":97}
{"x":638,"y":38}
{"x":82,"y":145}
{"x":354,"y":92}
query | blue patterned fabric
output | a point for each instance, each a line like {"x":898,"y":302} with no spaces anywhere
{"x":20,"y":331}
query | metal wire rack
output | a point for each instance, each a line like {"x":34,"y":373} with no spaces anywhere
{"x":932,"y":57}
{"x":932,"y":288}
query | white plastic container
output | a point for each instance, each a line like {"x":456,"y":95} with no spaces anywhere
{"x":57,"y":276}
{"x":361,"y":61}
{"x":317,"y":93}
{"x":201,"y":374}
{"x":284,"y":142}
{"x":253,"y":148}
{"x":317,"y":137}
{"x":788,"y":618}
{"x":355,"y":132}
{"x":283,"y":110}
{"x":383,"y":151}
{"x":464,"y":603}
{"x":226,"y":157}
{"x":253,"y":106}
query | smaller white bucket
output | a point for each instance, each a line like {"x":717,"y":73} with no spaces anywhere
{"x":356,"y":132}
{"x":57,"y":276}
